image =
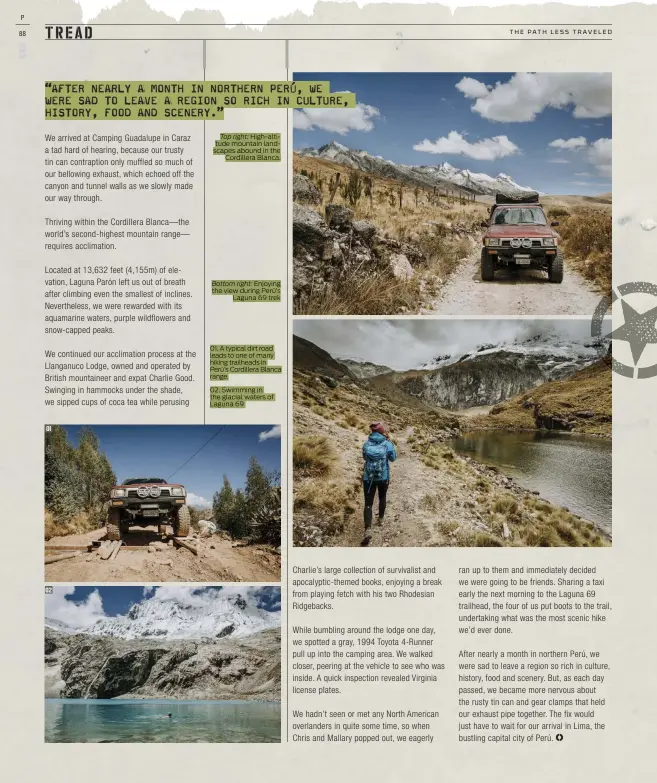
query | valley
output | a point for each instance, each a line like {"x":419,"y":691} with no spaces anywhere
{"x":442,"y":492}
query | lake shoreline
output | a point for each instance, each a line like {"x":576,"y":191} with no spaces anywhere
{"x":541,"y":472}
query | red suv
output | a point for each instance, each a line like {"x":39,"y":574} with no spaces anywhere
{"x":518,"y":234}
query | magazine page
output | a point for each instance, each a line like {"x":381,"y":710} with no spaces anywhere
{"x":312,"y":320}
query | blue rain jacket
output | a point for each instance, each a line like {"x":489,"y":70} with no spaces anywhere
{"x":378,"y":451}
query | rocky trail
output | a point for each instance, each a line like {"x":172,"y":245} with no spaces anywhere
{"x":524,"y":292}
{"x":218,"y":559}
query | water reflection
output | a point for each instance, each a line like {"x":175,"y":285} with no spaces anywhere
{"x":569,"y":470}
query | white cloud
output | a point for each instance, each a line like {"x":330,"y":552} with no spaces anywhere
{"x":582,"y":174}
{"x":526,"y":95}
{"x":79,"y":615}
{"x":274,"y":432}
{"x":198,"y":501}
{"x":558,"y":160}
{"x":340,"y":121}
{"x":599,"y":154}
{"x":456,"y":144}
{"x":569,"y":144}
{"x":472,"y":88}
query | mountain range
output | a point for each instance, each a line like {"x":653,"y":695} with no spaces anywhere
{"x":208,"y":646}
{"x":487,"y":375}
{"x":214,"y":614}
{"x":440,"y":176}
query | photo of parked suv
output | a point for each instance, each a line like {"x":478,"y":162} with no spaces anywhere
{"x":144,"y":501}
{"x":517,"y":235}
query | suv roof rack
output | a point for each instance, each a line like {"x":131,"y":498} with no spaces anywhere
{"x":519,"y":197}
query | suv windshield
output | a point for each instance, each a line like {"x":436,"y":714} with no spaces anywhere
{"x":519,"y":215}
{"x":143,"y":481}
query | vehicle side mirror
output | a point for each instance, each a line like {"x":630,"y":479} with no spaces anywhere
{"x":554,"y":223}
{"x":484,"y":225}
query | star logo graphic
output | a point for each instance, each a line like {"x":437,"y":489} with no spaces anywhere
{"x":638,"y":329}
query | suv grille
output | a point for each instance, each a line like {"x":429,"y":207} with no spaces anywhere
{"x":534,"y":243}
{"x":165,"y":492}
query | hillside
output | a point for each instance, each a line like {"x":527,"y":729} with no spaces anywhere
{"x":83,"y":666}
{"x":437,"y":498}
{"x":579,"y":404}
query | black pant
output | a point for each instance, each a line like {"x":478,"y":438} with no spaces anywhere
{"x":370,"y":489}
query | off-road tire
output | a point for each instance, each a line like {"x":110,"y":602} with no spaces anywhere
{"x":113,"y":526}
{"x":487,"y":265}
{"x":182,"y":522}
{"x":555,"y":269}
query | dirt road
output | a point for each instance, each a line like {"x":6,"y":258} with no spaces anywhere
{"x":527,"y":292}
{"x":219,"y":560}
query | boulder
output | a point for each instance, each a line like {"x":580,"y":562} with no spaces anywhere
{"x":304,"y":190}
{"x":400,"y":266}
{"x":339,"y":217}
{"x":364,"y":229}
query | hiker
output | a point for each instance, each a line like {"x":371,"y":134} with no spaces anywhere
{"x":378,"y":451}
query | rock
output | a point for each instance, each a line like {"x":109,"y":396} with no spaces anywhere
{"x":586,"y":414}
{"x":400,"y":267}
{"x":364,"y":229}
{"x":304,"y":190}
{"x":330,"y":382}
{"x":212,"y":546}
{"x":158,"y":546}
{"x":338,"y":216}
{"x":166,"y":562}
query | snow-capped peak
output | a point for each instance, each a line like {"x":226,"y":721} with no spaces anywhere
{"x":556,"y":356}
{"x":177,"y":612}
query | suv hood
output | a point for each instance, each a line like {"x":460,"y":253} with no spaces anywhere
{"x":520,"y":230}
{"x":146,"y":484}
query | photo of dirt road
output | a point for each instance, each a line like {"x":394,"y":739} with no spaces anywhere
{"x":162,"y":503}
{"x":401,"y":205}
{"x":495,"y":433}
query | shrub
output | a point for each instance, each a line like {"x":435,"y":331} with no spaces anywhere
{"x":313,"y":455}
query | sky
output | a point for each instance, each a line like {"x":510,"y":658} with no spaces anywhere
{"x":547,"y":131}
{"x":409,"y":344}
{"x":160,"y":450}
{"x":81,"y":607}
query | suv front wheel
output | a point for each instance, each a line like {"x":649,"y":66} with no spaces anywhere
{"x":487,"y":265}
{"x":113,"y":525}
{"x":181,"y":522}
{"x":555,"y":269}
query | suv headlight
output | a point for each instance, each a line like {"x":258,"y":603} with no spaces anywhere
{"x":549,"y":242}
{"x":492,"y":242}
{"x":117,"y":493}
{"x":178,"y":491}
